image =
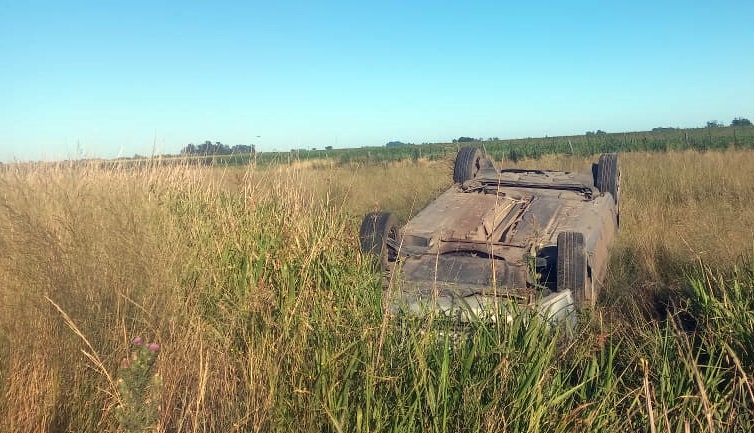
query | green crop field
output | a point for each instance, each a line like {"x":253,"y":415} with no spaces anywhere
{"x":249,"y":278}
{"x":660,"y":140}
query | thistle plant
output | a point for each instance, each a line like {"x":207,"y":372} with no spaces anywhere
{"x":139,"y":388}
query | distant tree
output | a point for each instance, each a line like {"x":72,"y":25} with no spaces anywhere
{"x":714,"y":124}
{"x":328,"y":147}
{"x":589,"y":132}
{"x":189,"y":149}
{"x":241,"y":148}
{"x":663,"y":129}
{"x":600,"y":132}
{"x":207,"y":148}
{"x":204,"y":148}
{"x":740,"y":121}
{"x":465,"y":140}
{"x":396,"y":143}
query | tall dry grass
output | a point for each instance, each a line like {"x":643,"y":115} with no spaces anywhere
{"x":689,"y":207}
{"x":168,"y":252}
{"x":251,"y":281}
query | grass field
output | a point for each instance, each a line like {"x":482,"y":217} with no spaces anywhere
{"x":268,"y":318}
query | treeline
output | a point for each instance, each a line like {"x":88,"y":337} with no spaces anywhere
{"x":738,"y":121}
{"x":217,"y":148}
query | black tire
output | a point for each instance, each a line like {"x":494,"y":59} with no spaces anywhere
{"x":608,"y":175}
{"x":572,"y":267}
{"x":468,"y":163}
{"x":377,"y":229}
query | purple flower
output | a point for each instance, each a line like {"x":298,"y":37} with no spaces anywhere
{"x":125,"y":363}
{"x":137,"y":341}
{"x":154,"y":347}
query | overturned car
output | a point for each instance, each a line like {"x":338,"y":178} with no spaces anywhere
{"x":537,"y":238}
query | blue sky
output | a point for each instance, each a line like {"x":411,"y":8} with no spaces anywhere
{"x":109,"y":78}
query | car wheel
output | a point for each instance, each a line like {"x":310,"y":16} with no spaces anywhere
{"x":572,"y":267}
{"x":468,"y":163}
{"x":378,"y":229}
{"x":608,"y":176}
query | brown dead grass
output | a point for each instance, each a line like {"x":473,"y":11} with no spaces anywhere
{"x":113,"y":248}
